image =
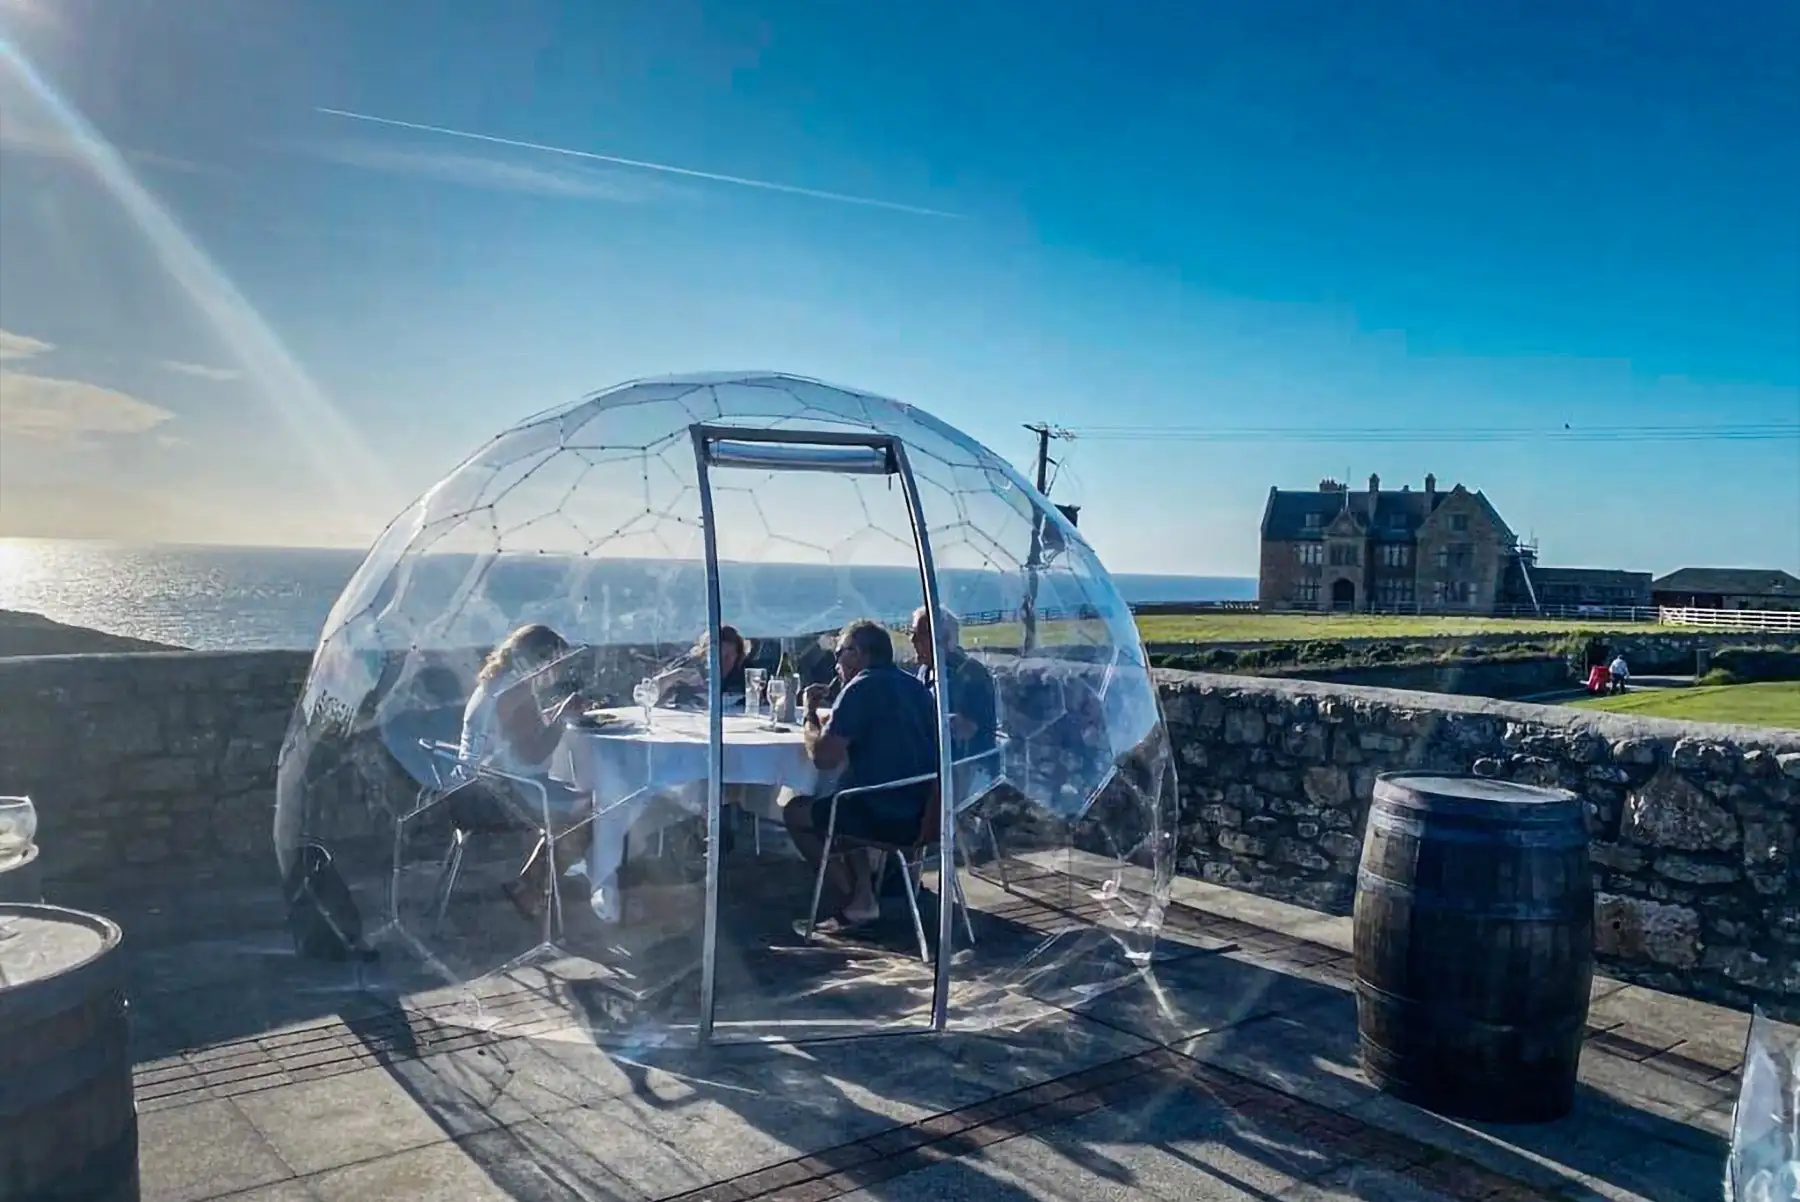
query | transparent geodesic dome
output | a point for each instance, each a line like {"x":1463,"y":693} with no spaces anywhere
{"x":679,"y":906}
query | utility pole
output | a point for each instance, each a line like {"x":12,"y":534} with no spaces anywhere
{"x":1035,"y":562}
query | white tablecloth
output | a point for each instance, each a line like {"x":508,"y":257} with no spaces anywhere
{"x":635,"y":773}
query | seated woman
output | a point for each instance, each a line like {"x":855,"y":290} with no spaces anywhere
{"x":683,"y":684}
{"x":509,"y":727}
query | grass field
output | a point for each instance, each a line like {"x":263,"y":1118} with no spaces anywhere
{"x":1776,"y":704}
{"x":1269,"y":628}
{"x":1200,"y":629}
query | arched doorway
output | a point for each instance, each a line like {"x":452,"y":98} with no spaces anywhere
{"x":1343,"y":594}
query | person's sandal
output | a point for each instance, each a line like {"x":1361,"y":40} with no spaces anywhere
{"x":854,"y":919}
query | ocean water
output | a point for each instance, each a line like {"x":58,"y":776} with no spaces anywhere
{"x":256,"y":598}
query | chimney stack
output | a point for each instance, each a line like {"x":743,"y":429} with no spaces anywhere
{"x":1430,"y":489}
{"x":1374,"y":494}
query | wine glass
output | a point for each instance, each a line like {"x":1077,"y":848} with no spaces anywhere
{"x":646,"y":694}
{"x":18,"y":827}
{"x":778,"y":695}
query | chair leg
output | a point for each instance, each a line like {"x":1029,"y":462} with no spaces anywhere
{"x":912,"y":904}
{"x":812,"y":915}
{"x":553,"y":924}
{"x":962,"y":901}
{"x":999,"y":851}
{"x":447,"y":877}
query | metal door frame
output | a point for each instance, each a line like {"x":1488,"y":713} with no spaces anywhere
{"x":831,"y":451}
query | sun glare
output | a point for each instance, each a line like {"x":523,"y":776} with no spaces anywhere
{"x":337,"y":451}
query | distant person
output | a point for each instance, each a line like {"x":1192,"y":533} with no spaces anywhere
{"x":513,"y":723}
{"x":683,"y":684}
{"x":1619,"y":672}
{"x":882,"y":728}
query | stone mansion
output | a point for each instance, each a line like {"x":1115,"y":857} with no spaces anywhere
{"x":1386,"y":549}
{"x":1383,"y":549}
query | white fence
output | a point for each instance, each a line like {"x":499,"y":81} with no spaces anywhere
{"x":1732,"y":619}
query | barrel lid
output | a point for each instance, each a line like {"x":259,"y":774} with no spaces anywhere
{"x":1452,"y":792}
{"x":41,"y":942}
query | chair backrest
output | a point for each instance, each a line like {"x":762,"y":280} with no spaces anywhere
{"x":473,"y":800}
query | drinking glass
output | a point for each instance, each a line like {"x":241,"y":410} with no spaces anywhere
{"x":646,"y":694}
{"x":18,"y":827}
{"x":754,"y":679}
{"x":778,"y":695}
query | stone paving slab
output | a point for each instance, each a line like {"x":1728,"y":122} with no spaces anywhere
{"x":1226,"y":1071}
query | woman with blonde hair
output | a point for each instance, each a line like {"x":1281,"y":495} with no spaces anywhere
{"x":509,"y":728}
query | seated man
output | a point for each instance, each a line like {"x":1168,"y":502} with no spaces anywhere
{"x":512,"y":725}
{"x":973,"y":708}
{"x":883,"y":728}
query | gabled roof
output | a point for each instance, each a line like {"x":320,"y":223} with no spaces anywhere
{"x":1746,"y":582}
{"x":1398,"y":512}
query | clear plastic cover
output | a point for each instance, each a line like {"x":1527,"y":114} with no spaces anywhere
{"x":527,"y":651}
{"x":1764,"y":1164}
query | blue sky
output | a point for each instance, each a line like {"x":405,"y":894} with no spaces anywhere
{"x":275,"y":324}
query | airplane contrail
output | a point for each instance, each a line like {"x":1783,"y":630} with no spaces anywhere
{"x":667,"y":169}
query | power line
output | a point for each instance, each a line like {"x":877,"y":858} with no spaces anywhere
{"x":1759,"y":432}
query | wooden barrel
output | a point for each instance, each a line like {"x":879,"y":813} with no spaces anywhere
{"x":68,"y":1122}
{"x":19,"y":880}
{"x":1474,"y":945}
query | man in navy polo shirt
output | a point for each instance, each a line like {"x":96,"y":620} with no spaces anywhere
{"x":883,"y":728}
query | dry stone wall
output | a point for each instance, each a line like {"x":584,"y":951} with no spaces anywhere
{"x":148,"y":764}
{"x":1693,"y":826}
{"x":163,"y":766}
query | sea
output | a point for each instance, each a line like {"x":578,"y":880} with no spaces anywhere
{"x":273,"y":598}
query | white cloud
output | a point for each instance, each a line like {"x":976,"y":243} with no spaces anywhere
{"x":201,"y":371}
{"x":21,"y":346}
{"x":53,"y":410}
{"x":494,"y":174}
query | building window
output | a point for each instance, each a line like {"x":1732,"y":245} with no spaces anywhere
{"x":1314,"y":520}
{"x":1393,"y":593}
{"x":1345,"y":556}
{"x":1395,"y":555}
{"x":1453,"y":592}
{"x":1307,"y":592}
{"x":1459,"y":557}
{"x":1311,"y":554}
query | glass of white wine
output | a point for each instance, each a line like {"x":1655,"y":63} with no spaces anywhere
{"x":778,"y":695}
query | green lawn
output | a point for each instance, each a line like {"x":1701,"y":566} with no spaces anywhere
{"x":1270,"y":628}
{"x":1775,"y":704}
{"x":1276,"y":628}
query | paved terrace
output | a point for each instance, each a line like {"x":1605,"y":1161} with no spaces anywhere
{"x":1225,"y":1071}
